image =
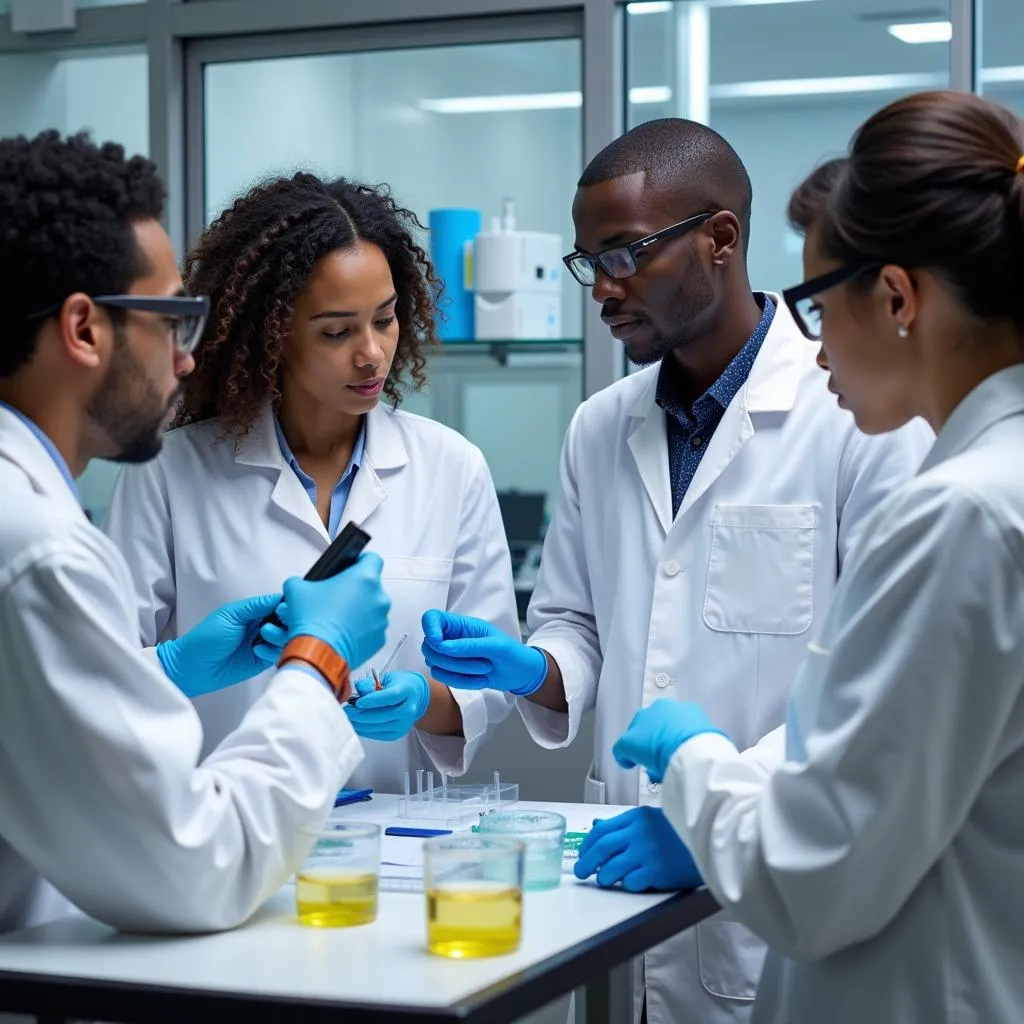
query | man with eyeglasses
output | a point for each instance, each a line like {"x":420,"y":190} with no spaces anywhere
{"x":707,"y":504}
{"x":105,"y":802}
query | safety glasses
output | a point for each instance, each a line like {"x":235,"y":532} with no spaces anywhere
{"x":800,"y":299}
{"x":620,"y":262}
{"x":186,"y":314}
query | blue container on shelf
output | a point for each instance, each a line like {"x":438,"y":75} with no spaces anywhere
{"x":451,"y":251}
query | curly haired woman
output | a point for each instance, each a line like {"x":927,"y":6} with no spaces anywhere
{"x":321,"y":304}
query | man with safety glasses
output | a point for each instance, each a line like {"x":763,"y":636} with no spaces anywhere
{"x":105,"y":802}
{"x":707,"y":504}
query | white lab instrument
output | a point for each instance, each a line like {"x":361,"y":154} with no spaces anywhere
{"x":517,"y":278}
{"x":104,"y":794}
{"x":884,"y":862}
{"x":715,"y":605}
{"x":451,"y":804}
{"x":212,"y":520}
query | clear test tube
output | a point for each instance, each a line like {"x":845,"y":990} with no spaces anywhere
{"x":444,"y":788}
{"x":497,"y":787}
{"x":407,"y":792}
{"x":430,"y":787}
{"x":419,"y":784}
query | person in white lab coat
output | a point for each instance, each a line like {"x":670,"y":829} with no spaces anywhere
{"x":322,"y":308}
{"x":707,"y":505}
{"x":883,"y":857}
{"x":106,"y":799}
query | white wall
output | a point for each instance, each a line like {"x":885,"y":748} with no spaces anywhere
{"x":33,"y":94}
{"x":779,"y":144}
{"x":109,"y":95}
{"x":104,"y":92}
{"x":274,"y":117}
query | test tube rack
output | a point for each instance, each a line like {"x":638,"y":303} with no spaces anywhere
{"x":454,"y":804}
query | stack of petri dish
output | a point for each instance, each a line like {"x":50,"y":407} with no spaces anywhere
{"x":543,"y":832}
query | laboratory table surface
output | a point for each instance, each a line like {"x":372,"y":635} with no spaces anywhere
{"x":577,"y":936}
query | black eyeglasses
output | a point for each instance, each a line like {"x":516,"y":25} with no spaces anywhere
{"x":620,"y":262}
{"x":187,"y":314}
{"x":800,"y":298}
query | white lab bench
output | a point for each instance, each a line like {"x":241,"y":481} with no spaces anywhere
{"x":273,"y":969}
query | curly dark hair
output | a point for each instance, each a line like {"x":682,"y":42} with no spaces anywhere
{"x":256,"y":259}
{"x":67,"y":208}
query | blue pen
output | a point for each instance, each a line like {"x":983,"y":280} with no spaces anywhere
{"x":416,"y":833}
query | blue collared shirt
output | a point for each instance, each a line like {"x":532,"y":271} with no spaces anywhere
{"x":51,"y":449}
{"x":342,"y":489}
{"x":688,"y":437}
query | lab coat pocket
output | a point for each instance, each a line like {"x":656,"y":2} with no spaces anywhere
{"x":593,"y":788}
{"x":426,"y":570}
{"x":761,"y":569}
{"x":414,"y":585}
{"x":729,"y":958}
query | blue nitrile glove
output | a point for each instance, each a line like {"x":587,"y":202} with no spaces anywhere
{"x":348,"y":611}
{"x":390,"y":713}
{"x":640,"y":849}
{"x":218,"y":652}
{"x":657,"y":732}
{"x":471,"y":654}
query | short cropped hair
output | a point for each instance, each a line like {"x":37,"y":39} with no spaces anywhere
{"x":688,"y":164}
{"x":67,"y":211}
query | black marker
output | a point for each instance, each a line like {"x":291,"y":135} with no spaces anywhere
{"x":342,"y":554}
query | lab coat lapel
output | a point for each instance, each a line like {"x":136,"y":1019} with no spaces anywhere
{"x":19,"y":445}
{"x":771,"y":387}
{"x":259,"y":447}
{"x":994,"y":399}
{"x":734,"y":430}
{"x":384,"y":453}
{"x":648,"y":441}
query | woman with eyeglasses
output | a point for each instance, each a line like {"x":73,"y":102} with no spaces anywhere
{"x":321,"y":313}
{"x":883,"y":858}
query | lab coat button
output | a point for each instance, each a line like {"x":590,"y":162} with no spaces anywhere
{"x":672,"y":568}
{"x":661,"y":680}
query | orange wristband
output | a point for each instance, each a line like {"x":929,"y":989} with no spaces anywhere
{"x":324,"y":658}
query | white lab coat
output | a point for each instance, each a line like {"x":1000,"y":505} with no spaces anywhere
{"x":104,"y":794}
{"x":714,"y":606}
{"x":884,"y":860}
{"x":210,"y":521}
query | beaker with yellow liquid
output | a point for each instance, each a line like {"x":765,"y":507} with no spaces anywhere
{"x":337,"y":884}
{"x":474,"y":888}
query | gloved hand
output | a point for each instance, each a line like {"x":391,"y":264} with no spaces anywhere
{"x":657,"y":732}
{"x":640,"y":849}
{"x":390,"y":713}
{"x":218,"y":652}
{"x":471,"y":654}
{"x":348,"y":611}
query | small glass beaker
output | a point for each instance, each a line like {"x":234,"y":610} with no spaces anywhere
{"x":474,"y":887}
{"x":544,"y":835}
{"x":337,"y":884}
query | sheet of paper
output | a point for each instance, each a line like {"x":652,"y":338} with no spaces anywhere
{"x":401,"y":850}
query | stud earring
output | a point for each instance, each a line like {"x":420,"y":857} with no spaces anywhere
{"x":902,"y":331}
